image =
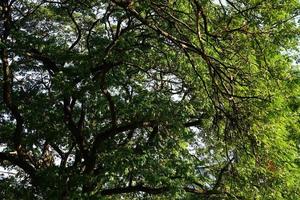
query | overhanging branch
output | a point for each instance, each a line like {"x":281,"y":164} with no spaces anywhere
{"x":15,"y":160}
{"x":137,"y":188}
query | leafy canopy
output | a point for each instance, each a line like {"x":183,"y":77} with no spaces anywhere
{"x":185,"y":99}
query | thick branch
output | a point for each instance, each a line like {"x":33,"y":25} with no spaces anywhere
{"x":8,"y":79}
{"x":15,"y":160}
{"x":137,"y":188}
{"x":77,"y":28}
{"x":109,"y":133}
{"x":114,"y":131}
{"x":111,"y":105}
{"x":160,"y":190}
{"x":75,"y":129}
{"x":48,"y":63}
{"x":103,"y":68}
{"x":221,"y":173}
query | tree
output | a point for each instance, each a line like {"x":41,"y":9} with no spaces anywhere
{"x":149,"y":99}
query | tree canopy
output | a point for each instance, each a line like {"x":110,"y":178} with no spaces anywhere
{"x":128,"y":99}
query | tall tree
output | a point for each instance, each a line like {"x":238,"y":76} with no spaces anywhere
{"x":185,"y":99}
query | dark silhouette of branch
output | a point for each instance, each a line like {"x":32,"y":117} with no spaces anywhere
{"x":48,"y":63}
{"x":75,"y":128}
{"x":109,"y":133}
{"x":8,"y":78}
{"x":18,"y":161}
{"x":77,"y":28}
{"x":137,"y":188}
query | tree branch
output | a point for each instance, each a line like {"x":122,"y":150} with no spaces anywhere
{"x":14,"y":159}
{"x":48,"y":63}
{"x":75,"y":129}
{"x":8,"y":78}
{"x":137,"y":188}
{"x":77,"y":28}
{"x":109,"y":133}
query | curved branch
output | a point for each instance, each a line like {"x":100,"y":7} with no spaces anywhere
{"x":136,"y":188}
{"x":14,"y":159}
{"x":48,"y":63}
{"x":8,"y":79}
{"x":109,"y":133}
{"x":77,"y":28}
{"x":75,"y":128}
{"x":89,"y":35}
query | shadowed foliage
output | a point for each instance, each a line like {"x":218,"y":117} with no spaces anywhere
{"x":129,"y":99}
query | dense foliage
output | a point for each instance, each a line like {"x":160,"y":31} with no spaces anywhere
{"x":128,"y":99}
